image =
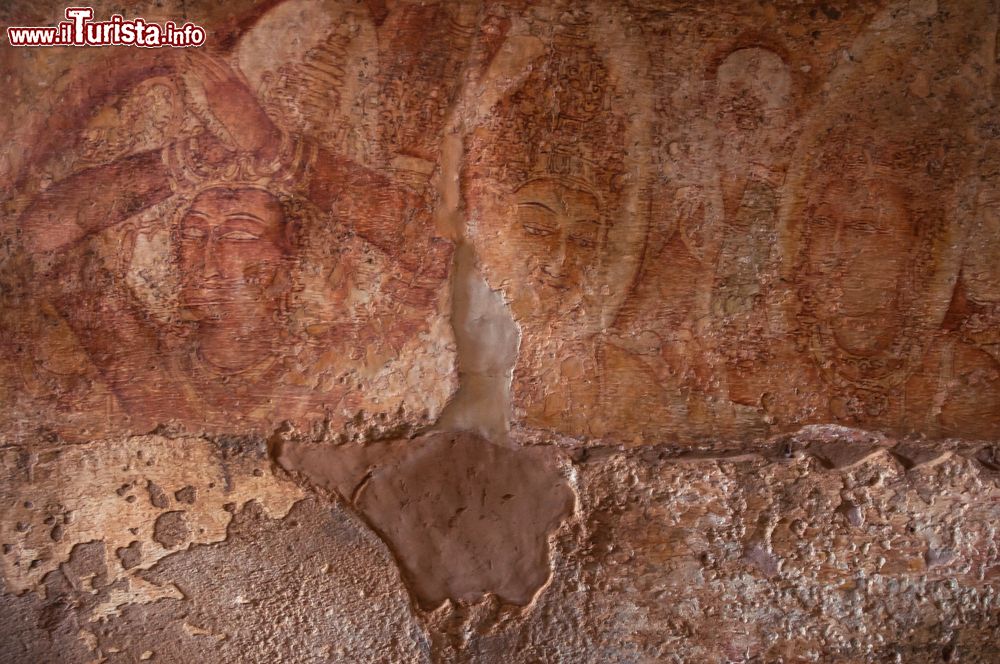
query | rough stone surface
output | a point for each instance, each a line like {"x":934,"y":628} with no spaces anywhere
{"x":315,"y":586}
{"x":503,"y":331}
{"x":171,"y":530}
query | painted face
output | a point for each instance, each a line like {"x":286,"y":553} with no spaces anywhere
{"x":232,"y":244}
{"x":753,"y":91}
{"x":549,"y":245}
{"x":860,"y":245}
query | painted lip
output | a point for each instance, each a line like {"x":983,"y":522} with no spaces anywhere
{"x":556,"y":283}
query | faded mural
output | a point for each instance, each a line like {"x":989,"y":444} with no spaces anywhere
{"x":727,"y":274}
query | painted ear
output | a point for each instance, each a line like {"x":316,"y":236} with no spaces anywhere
{"x":127,"y":248}
{"x":691,"y":210}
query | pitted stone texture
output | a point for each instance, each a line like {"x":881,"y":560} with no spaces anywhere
{"x":98,"y":492}
{"x":315,"y":586}
{"x":720,"y":280}
{"x":722,"y":560}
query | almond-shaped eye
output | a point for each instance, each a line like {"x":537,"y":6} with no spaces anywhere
{"x":239,"y":236}
{"x":537,"y":230}
{"x":862,"y":226}
{"x":585,"y":241}
{"x":192,"y":233}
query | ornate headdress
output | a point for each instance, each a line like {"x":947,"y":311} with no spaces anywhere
{"x":287,"y":173}
{"x":563,"y":165}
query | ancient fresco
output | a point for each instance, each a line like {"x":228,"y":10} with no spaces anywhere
{"x":503,"y":331}
{"x":768,"y":238}
{"x":200,"y":256}
{"x":672,"y":241}
{"x":553,"y":186}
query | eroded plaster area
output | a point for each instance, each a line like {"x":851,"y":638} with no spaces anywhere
{"x":465,"y":517}
{"x":341,"y":600}
{"x":138,"y":498}
{"x":778,"y":556}
{"x":502,"y":331}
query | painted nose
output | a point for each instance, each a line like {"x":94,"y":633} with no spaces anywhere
{"x":209,"y":266}
{"x":556,"y":265}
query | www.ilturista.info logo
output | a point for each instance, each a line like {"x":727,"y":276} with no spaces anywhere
{"x":79,"y":30}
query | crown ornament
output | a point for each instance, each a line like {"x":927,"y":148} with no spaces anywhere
{"x":565,"y":165}
{"x":287,"y":173}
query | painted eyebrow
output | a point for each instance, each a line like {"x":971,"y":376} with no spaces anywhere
{"x":537,"y":204}
{"x":245,"y":215}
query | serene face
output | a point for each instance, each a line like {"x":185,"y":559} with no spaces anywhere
{"x":860,"y":244}
{"x":546,"y":237}
{"x":753,"y":96}
{"x":232,"y":245}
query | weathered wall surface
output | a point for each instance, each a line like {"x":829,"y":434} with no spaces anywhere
{"x":503,"y":331}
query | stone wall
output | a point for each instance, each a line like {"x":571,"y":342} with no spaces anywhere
{"x":503,"y":331}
